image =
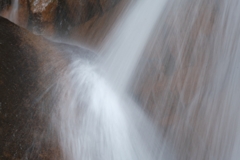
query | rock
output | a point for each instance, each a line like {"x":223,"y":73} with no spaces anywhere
{"x":62,"y":15}
{"x":4,"y":4}
{"x":72,"y":13}
{"x":108,"y":4}
{"x":82,"y":10}
{"x":43,"y":14}
{"x":23,"y":13}
{"x":93,"y":32}
{"x":71,"y":19}
{"x":24,"y":102}
{"x":30,"y":67}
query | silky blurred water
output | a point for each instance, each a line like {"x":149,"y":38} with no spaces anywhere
{"x":95,"y":122}
{"x":189,"y":81}
{"x":95,"y":118}
{"x":166,"y":86}
{"x":14,"y":11}
{"x":186,"y":87}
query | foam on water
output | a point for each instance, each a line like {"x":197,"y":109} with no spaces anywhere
{"x":95,"y":119}
{"x":94,"y":122}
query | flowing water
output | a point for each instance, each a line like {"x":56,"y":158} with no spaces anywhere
{"x":188,"y":84}
{"x":96,"y":121}
{"x":14,"y":12}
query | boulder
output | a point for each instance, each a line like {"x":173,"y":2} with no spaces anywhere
{"x":29,"y":69}
{"x":175,"y":79}
{"x":71,"y":19}
{"x":18,"y":14}
{"x":23,"y":13}
{"x":82,"y":16}
{"x":23,"y":114}
{"x":59,"y":17}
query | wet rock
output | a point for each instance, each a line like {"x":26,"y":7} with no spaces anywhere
{"x":108,"y":4}
{"x":60,"y":16}
{"x":23,"y":13}
{"x":83,"y":10}
{"x":93,"y":32}
{"x":71,"y":13}
{"x":42,"y":16}
{"x":4,"y":4}
{"x":85,"y":21}
{"x":24,"y":113}
{"x":30,"y":67}
{"x":17,"y":14}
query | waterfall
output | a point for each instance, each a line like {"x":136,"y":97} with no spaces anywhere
{"x":14,"y":12}
{"x":94,"y":122}
{"x":194,"y":87}
{"x":124,"y":46}
{"x":95,"y":118}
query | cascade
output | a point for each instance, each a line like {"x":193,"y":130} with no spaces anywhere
{"x":14,"y":12}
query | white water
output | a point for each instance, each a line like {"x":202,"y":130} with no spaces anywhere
{"x":93,"y":121}
{"x":96,"y":120}
{"x":14,"y":12}
{"x":125,"y":44}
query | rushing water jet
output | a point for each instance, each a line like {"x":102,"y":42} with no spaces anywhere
{"x":93,"y":119}
{"x":191,"y":88}
{"x":124,"y":46}
{"x":14,"y":12}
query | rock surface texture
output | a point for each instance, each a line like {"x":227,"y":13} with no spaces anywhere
{"x":28,"y":74}
{"x":174,"y":83}
{"x":80,"y":20}
{"x":23,"y":114}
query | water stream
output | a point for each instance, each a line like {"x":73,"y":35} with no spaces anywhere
{"x":96,"y":119}
{"x":95,"y":122}
{"x":14,"y":12}
{"x":192,"y":87}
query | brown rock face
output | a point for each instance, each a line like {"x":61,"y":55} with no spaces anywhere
{"x":82,"y":19}
{"x":89,"y":19}
{"x":24,"y":132}
{"x":23,"y":13}
{"x":17,"y":14}
{"x":29,"y":65}
{"x":108,"y":4}
{"x":59,"y":17}
{"x":4,"y":4}
{"x":71,"y":13}
{"x":94,"y":31}
{"x":43,"y":13}
{"x":81,"y":11}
